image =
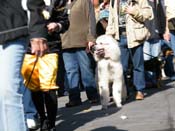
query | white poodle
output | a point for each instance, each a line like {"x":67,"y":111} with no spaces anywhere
{"x":109,"y":71}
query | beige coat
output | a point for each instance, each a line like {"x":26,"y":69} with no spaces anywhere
{"x":170,"y":9}
{"x":135,"y":27}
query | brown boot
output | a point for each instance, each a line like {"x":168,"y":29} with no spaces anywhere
{"x":139,"y":96}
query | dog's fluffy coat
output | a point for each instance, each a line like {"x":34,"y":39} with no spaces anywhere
{"x":109,"y":70}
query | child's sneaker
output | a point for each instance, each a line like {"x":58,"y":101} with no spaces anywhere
{"x":31,"y":124}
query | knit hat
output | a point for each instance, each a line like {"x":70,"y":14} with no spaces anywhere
{"x":103,"y":14}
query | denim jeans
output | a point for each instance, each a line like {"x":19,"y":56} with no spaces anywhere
{"x":124,"y":53}
{"x":151,"y":48}
{"x":136,"y":55}
{"x":172,"y":41}
{"x":169,"y":65}
{"x":138,"y":64}
{"x":78,"y":64}
{"x":124,"y":59}
{"x":29,"y":107}
{"x":11,"y":106}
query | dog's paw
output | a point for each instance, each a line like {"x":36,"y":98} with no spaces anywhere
{"x":119,"y":105}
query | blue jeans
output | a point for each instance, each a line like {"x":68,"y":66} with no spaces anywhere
{"x":124,"y":53}
{"x":29,"y":107}
{"x":151,"y":48}
{"x":172,"y":41}
{"x":136,"y":55}
{"x":11,"y":106}
{"x":169,"y":65}
{"x":138,"y":64}
{"x":78,"y":64}
{"x":124,"y":59}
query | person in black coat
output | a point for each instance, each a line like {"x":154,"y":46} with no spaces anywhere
{"x":43,"y":79}
{"x":15,"y":27}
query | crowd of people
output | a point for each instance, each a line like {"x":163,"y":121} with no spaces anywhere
{"x":35,"y":35}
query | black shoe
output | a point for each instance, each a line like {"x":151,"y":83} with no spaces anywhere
{"x":94,"y":101}
{"x":73,"y":103}
{"x":45,"y":125}
{"x":53,"y":129}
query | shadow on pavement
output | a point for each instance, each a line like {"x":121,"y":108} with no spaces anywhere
{"x":107,"y":128}
{"x":165,"y":85}
{"x":75,"y":117}
{"x":71,"y":119}
{"x":171,"y":129}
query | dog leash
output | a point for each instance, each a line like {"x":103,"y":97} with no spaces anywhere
{"x":36,"y":60}
{"x":150,"y":55}
{"x":159,"y":58}
{"x":26,"y":86}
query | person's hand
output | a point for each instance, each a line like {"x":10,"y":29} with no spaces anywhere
{"x":52,"y":27}
{"x":129,"y":9}
{"x":38,"y":46}
{"x":166,"y":36}
{"x":90,"y":44}
{"x":89,"y":47}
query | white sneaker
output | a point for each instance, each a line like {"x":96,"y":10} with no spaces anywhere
{"x":31,"y":124}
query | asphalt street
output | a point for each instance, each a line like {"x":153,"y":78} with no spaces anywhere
{"x":155,"y":113}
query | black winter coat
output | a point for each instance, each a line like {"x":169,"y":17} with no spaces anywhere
{"x":58,"y":14}
{"x":14,"y":21}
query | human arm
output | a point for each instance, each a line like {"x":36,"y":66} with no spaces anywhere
{"x":92,"y":21}
{"x":139,"y":10}
{"x":166,"y":35}
{"x":59,"y":21}
{"x":37,"y":27}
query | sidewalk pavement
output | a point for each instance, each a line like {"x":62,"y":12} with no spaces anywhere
{"x":155,"y":113}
